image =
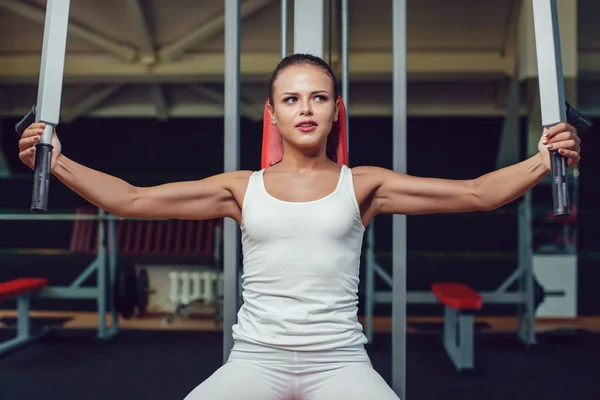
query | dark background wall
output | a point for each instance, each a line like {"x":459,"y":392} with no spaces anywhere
{"x":479,"y":248}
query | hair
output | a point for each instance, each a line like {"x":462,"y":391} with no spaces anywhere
{"x":308,"y":59}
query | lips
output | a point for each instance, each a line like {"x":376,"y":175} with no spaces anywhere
{"x":306,"y":124}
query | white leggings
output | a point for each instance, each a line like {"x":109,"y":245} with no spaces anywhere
{"x":259,"y":373}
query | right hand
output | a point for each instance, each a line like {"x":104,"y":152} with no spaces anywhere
{"x":30,"y":138}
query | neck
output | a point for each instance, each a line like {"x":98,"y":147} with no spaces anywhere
{"x":295,"y":160}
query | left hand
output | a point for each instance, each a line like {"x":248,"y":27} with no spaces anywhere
{"x":562,"y":137}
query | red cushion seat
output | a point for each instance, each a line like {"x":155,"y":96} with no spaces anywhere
{"x":457,"y":295}
{"x":21,"y":286}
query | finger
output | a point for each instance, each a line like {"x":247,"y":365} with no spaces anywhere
{"x":28,"y":142}
{"x":572,"y":155}
{"x":560,"y":137}
{"x":27,"y":156}
{"x":559,"y":128}
{"x":565,"y":144}
{"x":32,"y":132}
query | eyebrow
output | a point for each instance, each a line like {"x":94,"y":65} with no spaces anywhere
{"x":312,"y":93}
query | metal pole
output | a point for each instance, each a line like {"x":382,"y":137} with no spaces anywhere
{"x":552,"y":94}
{"x":370,"y":282}
{"x":309,"y":27}
{"x":4,"y":167}
{"x":284,"y":28}
{"x":49,"y":95}
{"x":399,"y":221}
{"x":101,"y":276}
{"x":231,"y":163}
{"x":345,"y":68}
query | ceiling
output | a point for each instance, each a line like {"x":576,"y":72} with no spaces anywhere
{"x":164,"y":58}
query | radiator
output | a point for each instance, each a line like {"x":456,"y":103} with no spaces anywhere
{"x":189,"y":286}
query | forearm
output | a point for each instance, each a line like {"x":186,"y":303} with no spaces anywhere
{"x":102,"y":190}
{"x":507,"y":184}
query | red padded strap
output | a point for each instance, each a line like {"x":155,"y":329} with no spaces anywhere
{"x":21,"y":286}
{"x":272,"y":145}
{"x":457,"y":295}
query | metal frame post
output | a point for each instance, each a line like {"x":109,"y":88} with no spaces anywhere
{"x":284,"y":28}
{"x":346,"y":69}
{"x":4,"y":167}
{"x":49,"y":95}
{"x":231,"y":163}
{"x":309,"y":27}
{"x":399,"y":221}
{"x":552,"y":93}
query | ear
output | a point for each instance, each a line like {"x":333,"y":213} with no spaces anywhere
{"x":271,"y":113}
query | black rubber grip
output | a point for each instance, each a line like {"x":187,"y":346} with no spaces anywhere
{"x":25,"y":122}
{"x":576,"y":119}
{"x":41,"y":178}
{"x":560,"y":185}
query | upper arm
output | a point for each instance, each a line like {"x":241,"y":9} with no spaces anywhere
{"x":212,"y":197}
{"x":398,"y":193}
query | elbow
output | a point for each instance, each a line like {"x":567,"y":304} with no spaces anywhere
{"x":129,"y":206}
{"x":479,"y":200}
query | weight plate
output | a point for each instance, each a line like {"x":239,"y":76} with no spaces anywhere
{"x":125,"y":291}
{"x":142,"y":291}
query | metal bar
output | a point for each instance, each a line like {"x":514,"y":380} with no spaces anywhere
{"x":399,"y":221}
{"x":85,"y":274}
{"x":49,"y":94}
{"x":68,"y":217}
{"x":466,"y":339}
{"x":514,"y":276}
{"x":112,"y":268}
{"x":346,"y":69}
{"x":4,"y":167}
{"x":384,"y":275}
{"x":69,"y":293}
{"x":101,"y":276}
{"x":23,"y":329}
{"x":508,"y":151}
{"x":526,"y":262}
{"x":370,"y":282}
{"x":417,"y":297}
{"x":309,"y":16}
{"x":552,"y":93}
{"x":284,"y":28}
{"x":231,"y":163}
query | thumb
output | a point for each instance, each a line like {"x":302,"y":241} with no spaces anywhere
{"x":545,"y":131}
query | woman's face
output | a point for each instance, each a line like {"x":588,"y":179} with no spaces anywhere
{"x":303,"y":107}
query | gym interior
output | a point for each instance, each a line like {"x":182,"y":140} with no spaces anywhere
{"x":94,"y":306}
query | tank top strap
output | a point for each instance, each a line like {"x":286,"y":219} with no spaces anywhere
{"x":348,"y":186}
{"x":254,"y":187}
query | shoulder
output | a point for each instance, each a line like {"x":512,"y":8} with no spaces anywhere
{"x":371,"y":173}
{"x":235,"y":179}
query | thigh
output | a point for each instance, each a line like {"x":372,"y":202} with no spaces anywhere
{"x":352,"y":382}
{"x":242,"y":380}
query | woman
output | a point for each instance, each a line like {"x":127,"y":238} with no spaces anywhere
{"x":302,"y":223}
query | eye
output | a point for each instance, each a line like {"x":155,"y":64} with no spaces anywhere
{"x":321,"y":97}
{"x":290,"y":99}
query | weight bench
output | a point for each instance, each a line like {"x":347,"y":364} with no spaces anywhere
{"x":460,"y":303}
{"x":22,"y":289}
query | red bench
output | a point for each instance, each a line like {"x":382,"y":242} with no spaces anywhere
{"x":460,"y":303}
{"x":22,"y":289}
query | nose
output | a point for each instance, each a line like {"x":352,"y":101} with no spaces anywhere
{"x":305,"y":109}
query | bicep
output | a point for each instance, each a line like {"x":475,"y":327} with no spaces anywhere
{"x":404,"y":194}
{"x":202,"y":199}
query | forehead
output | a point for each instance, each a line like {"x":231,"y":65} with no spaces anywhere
{"x":299,"y":78}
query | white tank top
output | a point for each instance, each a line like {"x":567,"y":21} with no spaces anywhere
{"x":301,"y":269}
